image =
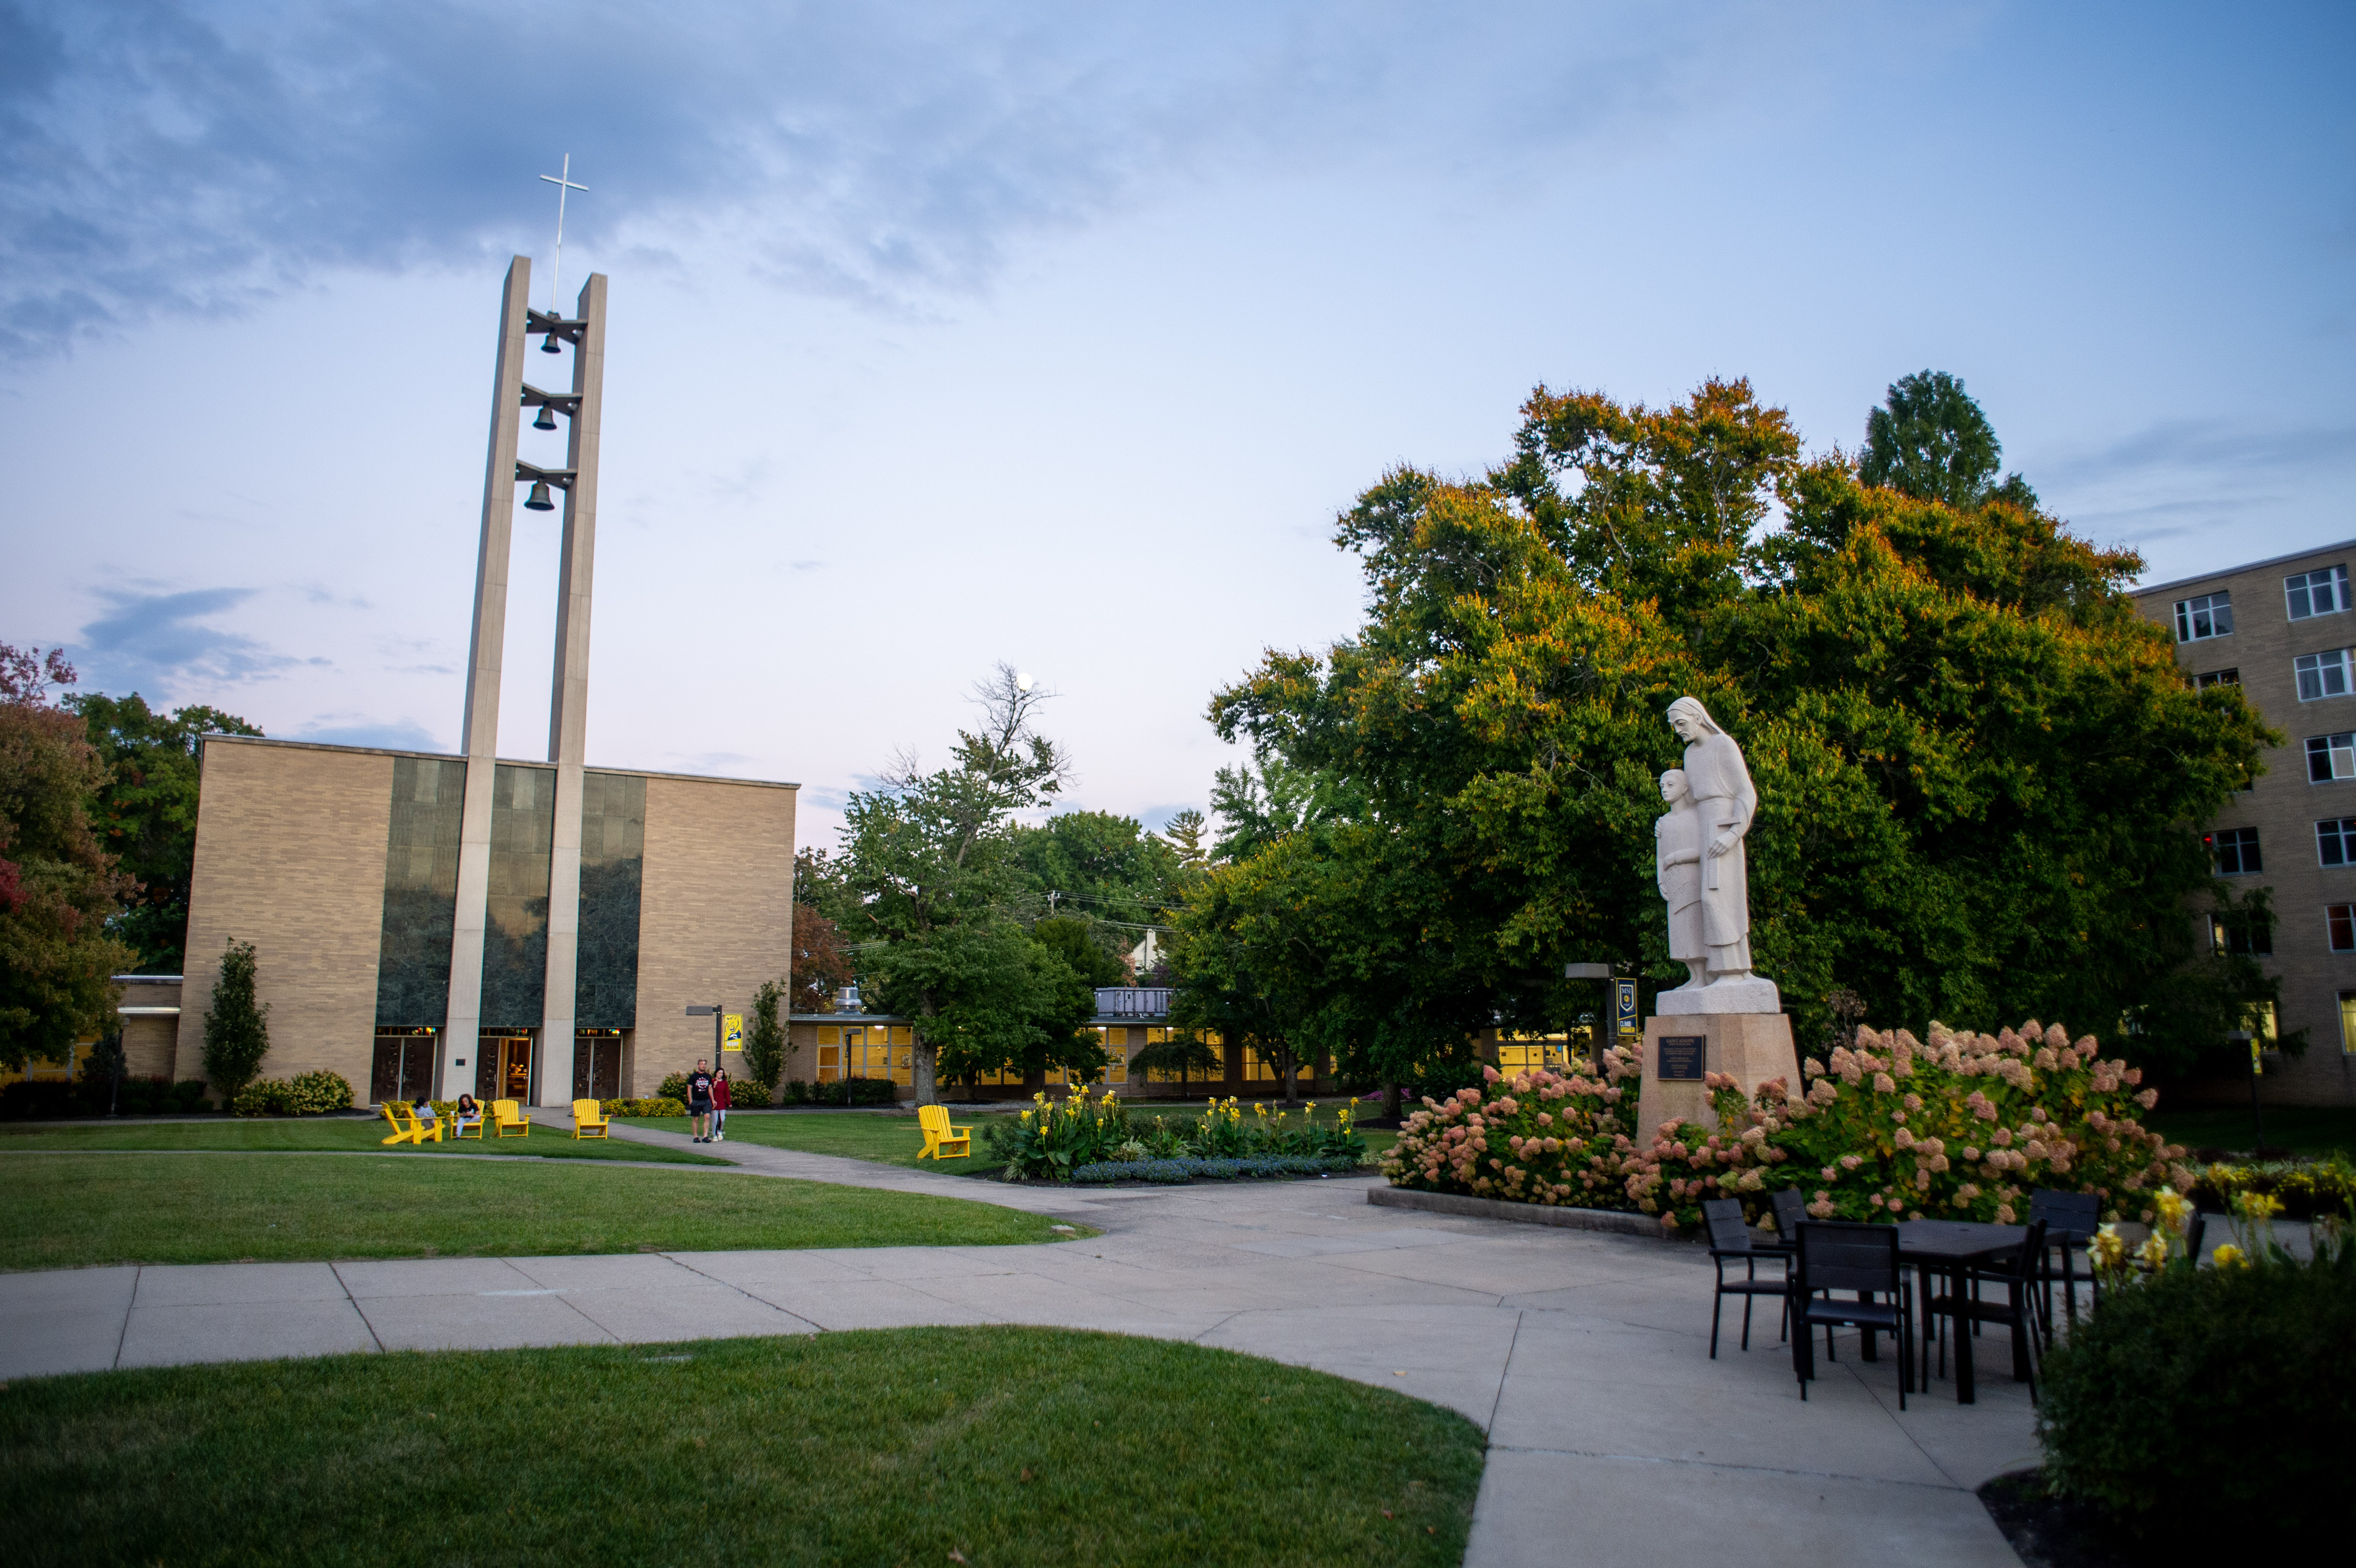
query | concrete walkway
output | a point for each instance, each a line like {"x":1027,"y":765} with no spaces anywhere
{"x":1614,"y":1440}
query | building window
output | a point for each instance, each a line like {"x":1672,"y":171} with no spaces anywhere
{"x":1258,"y":1069}
{"x":2335,"y":841}
{"x":2233,"y":852}
{"x":2330,"y":757}
{"x":2216,"y":677}
{"x":2245,"y":934}
{"x":1532,"y":1052}
{"x":2321,"y":592}
{"x":2340,"y":921}
{"x":2348,"y":1023}
{"x":2209,"y":615}
{"x":2322,"y":674}
{"x":1165,"y":1036}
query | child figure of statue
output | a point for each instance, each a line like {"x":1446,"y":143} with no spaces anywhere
{"x":1677,"y":836}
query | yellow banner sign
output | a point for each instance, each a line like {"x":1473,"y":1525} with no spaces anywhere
{"x":732,"y":1031}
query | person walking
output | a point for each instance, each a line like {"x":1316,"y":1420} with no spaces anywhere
{"x":720,"y":1098}
{"x":699,"y":1100}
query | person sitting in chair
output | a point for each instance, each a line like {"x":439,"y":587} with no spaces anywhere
{"x":467,"y":1114}
{"x":423,"y":1108}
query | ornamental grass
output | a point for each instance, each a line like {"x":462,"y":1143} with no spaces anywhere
{"x":1962,"y":1128}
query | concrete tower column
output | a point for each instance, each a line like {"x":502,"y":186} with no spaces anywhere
{"x":568,"y":700}
{"x":462,"y":1026}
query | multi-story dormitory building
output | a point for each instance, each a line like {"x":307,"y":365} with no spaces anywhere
{"x":2283,"y":631}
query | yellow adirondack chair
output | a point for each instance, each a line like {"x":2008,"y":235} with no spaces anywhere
{"x":507,"y":1116}
{"x":943,"y":1141}
{"x":473,"y":1129}
{"x":588,"y":1121}
{"x":407,"y":1128}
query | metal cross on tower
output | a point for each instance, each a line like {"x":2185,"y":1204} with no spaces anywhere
{"x":563,"y":183}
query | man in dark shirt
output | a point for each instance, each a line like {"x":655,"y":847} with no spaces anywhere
{"x":699,"y":1100}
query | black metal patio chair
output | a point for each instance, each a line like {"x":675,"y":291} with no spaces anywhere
{"x":2071,"y":1220}
{"x":1790,"y":1210}
{"x":2019,"y":1276}
{"x":1842,"y":1255}
{"x":1729,"y":1238}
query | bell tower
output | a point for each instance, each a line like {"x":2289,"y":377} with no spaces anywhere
{"x":582,"y":334}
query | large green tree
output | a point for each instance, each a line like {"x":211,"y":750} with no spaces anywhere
{"x":936,"y":900}
{"x":59,"y":886}
{"x":145,"y":812}
{"x":1932,"y":441}
{"x":1104,"y":869}
{"x":1979,"y":770}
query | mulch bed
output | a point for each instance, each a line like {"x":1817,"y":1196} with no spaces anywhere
{"x":2055,"y":1533}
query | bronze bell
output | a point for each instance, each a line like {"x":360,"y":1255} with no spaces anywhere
{"x":538,"y":501}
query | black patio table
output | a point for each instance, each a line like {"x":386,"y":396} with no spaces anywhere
{"x":1949,"y":1247}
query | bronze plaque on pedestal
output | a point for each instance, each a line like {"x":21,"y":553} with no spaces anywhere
{"x":1681,"y":1056}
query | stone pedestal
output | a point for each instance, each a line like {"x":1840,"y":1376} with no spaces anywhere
{"x":1753,"y":1047}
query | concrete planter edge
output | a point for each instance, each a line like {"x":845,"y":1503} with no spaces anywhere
{"x":1457,"y":1203}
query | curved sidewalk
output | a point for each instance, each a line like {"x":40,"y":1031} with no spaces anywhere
{"x":1614,"y":1440}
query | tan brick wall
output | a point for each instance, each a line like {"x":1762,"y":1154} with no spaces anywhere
{"x":290,"y":856}
{"x":150,"y":1041}
{"x":715,"y":913}
{"x":2284,"y":808}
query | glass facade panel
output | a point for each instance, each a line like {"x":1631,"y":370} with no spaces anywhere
{"x":515,"y":943}
{"x":421,"y":893}
{"x":613,"y":866}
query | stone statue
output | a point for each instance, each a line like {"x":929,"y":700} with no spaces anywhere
{"x":1717,"y":787}
{"x":1677,"y":856}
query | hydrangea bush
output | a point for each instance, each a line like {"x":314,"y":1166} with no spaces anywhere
{"x":1962,"y":1128}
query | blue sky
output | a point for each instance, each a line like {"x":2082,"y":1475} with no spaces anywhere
{"x":1056,"y":334}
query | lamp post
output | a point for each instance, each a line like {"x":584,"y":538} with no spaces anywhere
{"x":713,"y":1010}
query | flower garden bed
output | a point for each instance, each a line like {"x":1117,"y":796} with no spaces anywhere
{"x":1184,"y":1170}
{"x":1057,"y":1140}
{"x":1963,"y":1129}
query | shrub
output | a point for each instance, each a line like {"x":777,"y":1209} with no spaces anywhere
{"x":1871,"y":1139}
{"x":2323,"y":1187}
{"x":157,"y":1098}
{"x":30,"y":1099}
{"x":846,"y":1092}
{"x":672,"y":1087}
{"x":237,"y":1028}
{"x":660,"y":1105}
{"x":316,"y":1094}
{"x":2230,"y":1385}
{"x":266,"y":1097}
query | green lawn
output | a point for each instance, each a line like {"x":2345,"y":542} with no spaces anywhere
{"x":891,"y":1138}
{"x":2302,"y":1129}
{"x":70,"y":1210}
{"x":298,"y":1133}
{"x":1000,"y":1446}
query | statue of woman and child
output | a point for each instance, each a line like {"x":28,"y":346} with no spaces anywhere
{"x":1699,"y":856}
